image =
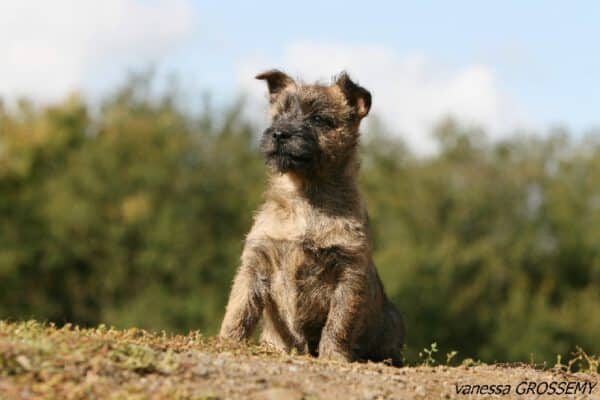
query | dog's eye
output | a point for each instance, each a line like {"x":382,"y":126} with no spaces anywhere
{"x":322,"y":120}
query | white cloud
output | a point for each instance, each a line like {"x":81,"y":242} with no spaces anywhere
{"x":411,"y":94}
{"x":51,"y":47}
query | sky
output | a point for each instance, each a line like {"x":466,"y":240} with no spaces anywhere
{"x":504,"y":66}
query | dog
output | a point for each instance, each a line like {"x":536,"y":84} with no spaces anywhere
{"x":306,"y":268}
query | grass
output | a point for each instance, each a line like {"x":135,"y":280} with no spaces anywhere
{"x":70,"y":362}
{"x":44,"y":361}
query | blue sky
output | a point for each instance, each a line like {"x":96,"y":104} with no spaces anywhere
{"x":504,"y":65}
{"x":546,"y":54}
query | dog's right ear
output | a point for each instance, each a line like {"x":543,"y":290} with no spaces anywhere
{"x":276,"y":80}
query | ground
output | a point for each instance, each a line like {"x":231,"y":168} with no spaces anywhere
{"x":41,"y":361}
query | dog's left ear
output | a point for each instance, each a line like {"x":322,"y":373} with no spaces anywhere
{"x":276,"y":81}
{"x":357,"y":96}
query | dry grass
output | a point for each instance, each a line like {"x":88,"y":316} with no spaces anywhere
{"x":42,"y":361}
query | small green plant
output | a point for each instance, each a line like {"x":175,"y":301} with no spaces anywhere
{"x":427,"y":355}
{"x":559,"y":365}
{"x":450,"y":356}
{"x":583,"y":362}
{"x":469,"y":362}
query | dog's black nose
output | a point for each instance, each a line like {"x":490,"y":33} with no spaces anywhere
{"x":279,"y":134}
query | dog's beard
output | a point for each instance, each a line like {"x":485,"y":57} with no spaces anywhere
{"x":287,"y":163}
{"x":296,"y":154}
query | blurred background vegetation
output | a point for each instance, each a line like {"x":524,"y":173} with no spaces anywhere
{"x":134,"y":214}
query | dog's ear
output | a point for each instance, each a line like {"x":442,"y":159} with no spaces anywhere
{"x":357,"y":96}
{"x":276,"y":80}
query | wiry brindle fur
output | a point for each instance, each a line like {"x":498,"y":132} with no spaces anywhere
{"x":306,"y":267}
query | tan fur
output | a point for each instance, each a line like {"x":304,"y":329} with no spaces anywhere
{"x":306,"y":268}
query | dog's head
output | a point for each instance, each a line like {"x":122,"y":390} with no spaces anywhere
{"x":314,"y":127}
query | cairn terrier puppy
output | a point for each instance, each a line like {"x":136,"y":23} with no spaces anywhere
{"x":306,"y":268}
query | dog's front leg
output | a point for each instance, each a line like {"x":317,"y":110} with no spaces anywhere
{"x":246,"y":303}
{"x":345,"y":316}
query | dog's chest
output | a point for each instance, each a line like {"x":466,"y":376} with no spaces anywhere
{"x":303,"y":279}
{"x":303,"y":254}
{"x":305,"y":270}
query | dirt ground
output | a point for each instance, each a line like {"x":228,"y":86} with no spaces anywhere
{"x":43,"y":362}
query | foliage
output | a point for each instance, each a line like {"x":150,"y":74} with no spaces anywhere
{"x":135,"y":214}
